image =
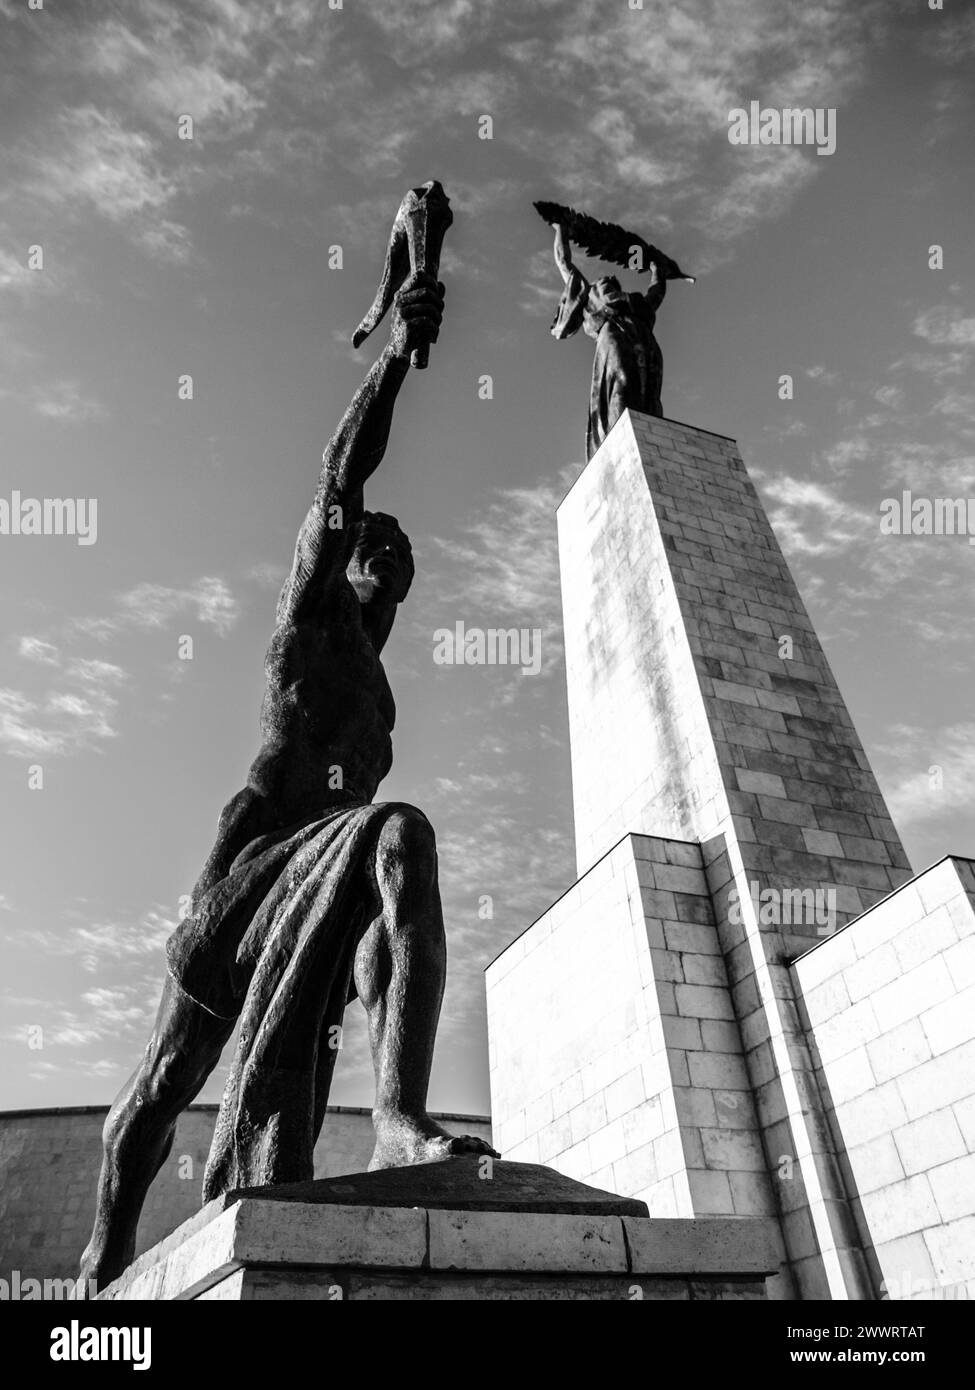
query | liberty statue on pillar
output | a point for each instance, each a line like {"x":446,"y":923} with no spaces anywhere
{"x":627,"y":372}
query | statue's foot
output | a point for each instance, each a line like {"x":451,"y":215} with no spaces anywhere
{"x":403,"y":1139}
{"x":99,"y":1267}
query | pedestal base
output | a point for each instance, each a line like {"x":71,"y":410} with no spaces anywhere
{"x":279,"y":1246}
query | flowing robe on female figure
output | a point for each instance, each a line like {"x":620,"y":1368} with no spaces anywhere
{"x":627,"y":372}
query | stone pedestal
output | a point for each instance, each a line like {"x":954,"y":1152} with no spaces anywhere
{"x":315,"y":1241}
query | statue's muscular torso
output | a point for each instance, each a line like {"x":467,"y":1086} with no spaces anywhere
{"x":328,"y":711}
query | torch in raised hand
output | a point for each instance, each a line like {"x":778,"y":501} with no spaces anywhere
{"x":415,"y":243}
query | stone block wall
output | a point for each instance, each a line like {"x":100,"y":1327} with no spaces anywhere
{"x":615,"y":1053}
{"x":889,"y":1003}
{"x":571,"y":1014}
{"x":642,"y":752}
{"x":689,"y":715}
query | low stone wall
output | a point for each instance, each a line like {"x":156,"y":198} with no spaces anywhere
{"x":49,"y":1162}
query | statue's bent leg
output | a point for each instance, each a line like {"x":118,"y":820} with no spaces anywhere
{"x":399,"y":974}
{"x":184,"y":1048}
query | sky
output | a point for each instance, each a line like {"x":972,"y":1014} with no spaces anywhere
{"x":209,"y":257}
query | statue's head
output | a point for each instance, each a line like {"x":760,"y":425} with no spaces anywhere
{"x":605,"y":293}
{"x":606,"y":300}
{"x":381,"y":568}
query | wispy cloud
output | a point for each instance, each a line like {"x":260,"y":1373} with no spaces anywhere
{"x":932,"y":773}
{"x":658,"y":89}
{"x":945,"y":325}
{"x":952,"y":38}
{"x":61,"y":722}
{"x":104,"y":1014}
{"x":268,"y":574}
{"x":96,"y":945}
{"x":94,"y":159}
{"x":15,"y":275}
{"x":811,"y":520}
{"x":504,"y":566}
{"x":77,"y":712}
{"x":180,"y":62}
{"x":209,"y":600}
{"x":647,"y":96}
{"x":36,"y":649}
{"x":66,"y":402}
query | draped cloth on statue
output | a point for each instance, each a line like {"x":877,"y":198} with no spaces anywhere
{"x":628,"y":369}
{"x":273,"y":943}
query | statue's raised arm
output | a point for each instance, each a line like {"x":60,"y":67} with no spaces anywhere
{"x":357,"y":448}
{"x":563,"y":254}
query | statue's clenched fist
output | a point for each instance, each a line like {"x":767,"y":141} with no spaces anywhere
{"x":417,"y":314}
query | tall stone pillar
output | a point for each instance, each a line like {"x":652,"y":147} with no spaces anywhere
{"x":704,"y":720}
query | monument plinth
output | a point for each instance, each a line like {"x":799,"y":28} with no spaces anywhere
{"x":444,"y":1231}
{"x":655,"y":1031}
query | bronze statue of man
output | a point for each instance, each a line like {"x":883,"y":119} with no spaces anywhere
{"x":313,"y":894}
{"x":628,"y":369}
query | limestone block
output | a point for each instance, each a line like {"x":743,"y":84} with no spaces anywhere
{"x":830,"y":998}
{"x":851,"y":1076}
{"x":878,"y":968}
{"x":625,"y":1093}
{"x":752,"y":1195}
{"x":960,"y":960}
{"x":718,"y":1070}
{"x":938,"y":884}
{"x":953,"y":1185}
{"x":710,"y":1192}
{"x":588,"y":1117}
{"x":899,"y":1050}
{"x":701,"y":1246}
{"x":526,"y":1241}
{"x":605,"y":1146}
{"x":952,"y":1250}
{"x":931,"y":1141}
{"x":851,"y":1028}
{"x":924,"y":939}
{"x":905,"y":1263}
{"x":877,"y":1112}
{"x":740,"y":1150}
{"x":927,"y":985}
{"x":950,"y":1023}
{"x":702,"y":1001}
{"x":907,"y":1206}
{"x":637,"y":1173}
{"x":938,"y":1083}
{"x":875,"y":1163}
